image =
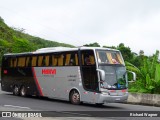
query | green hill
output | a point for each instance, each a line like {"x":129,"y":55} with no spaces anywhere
{"x":15,"y":41}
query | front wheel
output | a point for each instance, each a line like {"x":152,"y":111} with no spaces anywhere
{"x":99,"y":104}
{"x":75,"y":97}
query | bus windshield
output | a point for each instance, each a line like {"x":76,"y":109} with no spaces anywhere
{"x":111,"y":62}
{"x":109,"y":57}
{"x":115,"y":77}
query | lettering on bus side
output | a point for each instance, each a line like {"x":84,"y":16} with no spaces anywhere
{"x":48,"y":71}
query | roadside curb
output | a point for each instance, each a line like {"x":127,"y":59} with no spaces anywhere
{"x":144,"y":99}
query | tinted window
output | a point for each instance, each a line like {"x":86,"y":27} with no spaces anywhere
{"x":21,"y":61}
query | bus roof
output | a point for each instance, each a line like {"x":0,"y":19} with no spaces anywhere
{"x":58,"y":49}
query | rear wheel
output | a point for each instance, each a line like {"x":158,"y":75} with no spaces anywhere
{"x":15,"y":90}
{"x":75,"y":97}
{"x":23,"y":91}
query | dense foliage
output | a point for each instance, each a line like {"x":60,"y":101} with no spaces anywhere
{"x":148,"y":75}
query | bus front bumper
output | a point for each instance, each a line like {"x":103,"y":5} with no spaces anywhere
{"x":106,"y":98}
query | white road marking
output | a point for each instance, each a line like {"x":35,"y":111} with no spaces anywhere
{"x":16,"y":106}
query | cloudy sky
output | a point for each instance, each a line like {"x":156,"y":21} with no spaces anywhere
{"x":136,"y":23}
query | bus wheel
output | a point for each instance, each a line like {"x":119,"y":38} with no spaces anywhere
{"x":75,"y":97}
{"x":15,"y":90}
{"x":23,"y":91}
{"x":99,"y":104}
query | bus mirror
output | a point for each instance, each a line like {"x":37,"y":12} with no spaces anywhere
{"x":133,"y":76}
{"x":102,"y":74}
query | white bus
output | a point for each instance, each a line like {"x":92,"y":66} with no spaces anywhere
{"x":85,"y":74}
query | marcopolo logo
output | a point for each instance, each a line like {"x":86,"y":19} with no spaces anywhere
{"x":48,"y":71}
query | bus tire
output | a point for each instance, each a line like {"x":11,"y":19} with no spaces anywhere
{"x":75,"y":97}
{"x":23,"y":91}
{"x":15,"y":90}
{"x":99,"y":104}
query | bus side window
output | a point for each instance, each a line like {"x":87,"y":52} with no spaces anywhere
{"x":28,"y":61}
{"x":47,"y":60}
{"x":43,"y":61}
{"x":67,"y":61}
{"x":14,"y":62}
{"x":11,"y":62}
{"x":50,"y":60}
{"x":54,"y":60}
{"x":6,"y":62}
{"x":34,"y":60}
{"x":88,"y":58}
{"x":71,"y":59}
{"x":92,"y":60}
{"x":76,"y":58}
{"x":21,"y":61}
{"x":40,"y":58}
{"x":60,"y":60}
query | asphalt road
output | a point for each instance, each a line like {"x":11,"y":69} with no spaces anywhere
{"x":9,"y":102}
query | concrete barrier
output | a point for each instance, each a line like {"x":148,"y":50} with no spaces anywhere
{"x":145,"y":99}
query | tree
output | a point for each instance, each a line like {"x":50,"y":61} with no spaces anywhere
{"x":126,"y":52}
{"x":141,"y":52}
{"x":21,"y":45}
{"x":112,"y":47}
{"x":92,"y":45}
{"x":4,"y":48}
{"x":1,"y":19}
{"x":148,"y":76}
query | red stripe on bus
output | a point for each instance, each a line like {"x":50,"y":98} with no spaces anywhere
{"x":36,"y":81}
